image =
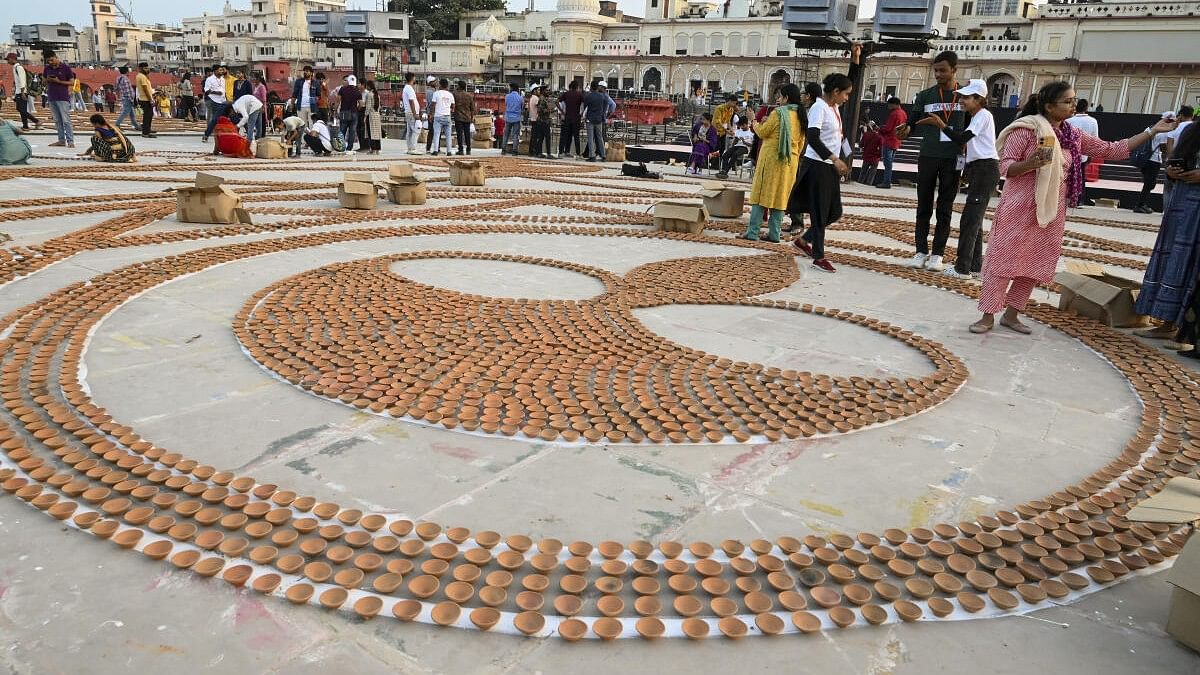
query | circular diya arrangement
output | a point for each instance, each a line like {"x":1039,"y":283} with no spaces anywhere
{"x":565,"y":370}
{"x":438,"y":356}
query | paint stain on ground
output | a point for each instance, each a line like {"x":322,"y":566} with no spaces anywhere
{"x":457,"y":452}
{"x":302,"y":466}
{"x":153,"y":649}
{"x":823,"y":508}
{"x":338,"y":447}
{"x":686,"y":485}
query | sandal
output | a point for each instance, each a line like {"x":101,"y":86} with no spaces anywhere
{"x":1016,"y":326}
{"x":980,"y":327}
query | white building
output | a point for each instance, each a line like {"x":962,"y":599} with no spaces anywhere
{"x":1127,"y":56}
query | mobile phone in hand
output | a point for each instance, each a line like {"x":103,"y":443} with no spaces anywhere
{"x":1177,"y":163}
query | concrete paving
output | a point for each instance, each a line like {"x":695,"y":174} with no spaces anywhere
{"x":1036,"y":414}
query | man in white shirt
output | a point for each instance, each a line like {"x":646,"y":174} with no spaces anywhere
{"x":441,"y":104}
{"x":214,"y":99}
{"x":21,"y":92}
{"x":293,"y":134}
{"x":412,"y":113}
{"x":1151,"y":168}
{"x":248,"y":109}
{"x":318,"y":137}
{"x":1087,"y":124}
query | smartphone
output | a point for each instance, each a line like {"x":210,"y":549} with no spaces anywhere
{"x":1177,"y":163}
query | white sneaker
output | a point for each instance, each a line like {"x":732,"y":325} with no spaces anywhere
{"x":918,"y":261}
{"x":954,"y":274}
{"x":416,"y":152}
{"x":934,"y":264}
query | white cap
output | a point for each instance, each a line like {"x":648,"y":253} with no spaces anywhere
{"x":533,"y":87}
{"x":602,"y":84}
{"x":351,"y":80}
{"x":431,"y":79}
{"x":976,"y":87}
{"x":1169,"y":115}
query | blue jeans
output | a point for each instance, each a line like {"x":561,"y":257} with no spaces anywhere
{"x":126,"y":111}
{"x":348,"y":122}
{"x":512,"y":130}
{"x":889,"y":156}
{"x":595,"y":140}
{"x":252,"y":126}
{"x":62,"y":120}
{"x":215,"y":110}
{"x":442,"y":127}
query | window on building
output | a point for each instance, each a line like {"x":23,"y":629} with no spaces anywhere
{"x":467,"y":31}
{"x":945,"y":14}
{"x":654,"y":3}
{"x":432,"y":56}
{"x":398,"y":24}
{"x":655,"y":45}
{"x":967,"y":8}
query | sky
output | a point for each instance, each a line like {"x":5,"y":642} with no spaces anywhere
{"x":77,"y":12}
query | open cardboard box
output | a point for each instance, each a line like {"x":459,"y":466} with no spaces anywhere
{"x":208,"y":201}
{"x":358,"y":191}
{"x":1087,"y":290}
{"x":1178,"y":503}
{"x":721,"y":200}
{"x":680,"y":216}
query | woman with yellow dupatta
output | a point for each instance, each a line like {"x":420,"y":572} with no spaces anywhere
{"x":782,"y":136}
{"x":109,"y":144}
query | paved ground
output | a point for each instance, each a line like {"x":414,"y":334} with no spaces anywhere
{"x":1035,"y":414}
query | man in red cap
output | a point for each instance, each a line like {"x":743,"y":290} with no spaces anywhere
{"x":21,"y":92}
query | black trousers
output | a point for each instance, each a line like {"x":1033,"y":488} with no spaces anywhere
{"x":539,"y":140}
{"x":984,"y":175}
{"x":734,"y":155}
{"x":1149,"y":180}
{"x":823,"y":189}
{"x":568,"y":134}
{"x":314,"y":144}
{"x":147,"y":116}
{"x":462,"y":135}
{"x":938,"y":174}
{"x":22,"y":103}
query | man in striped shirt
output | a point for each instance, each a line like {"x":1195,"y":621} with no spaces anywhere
{"x":126,"y":96}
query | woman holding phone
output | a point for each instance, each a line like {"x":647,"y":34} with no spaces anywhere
{"x":1040,"y":157}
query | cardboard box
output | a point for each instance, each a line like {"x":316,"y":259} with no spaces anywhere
{"x":1178,"y":503}
{"x":358,"y":191}
{"x":723,"y":201}
{"x":1087,"y":290}
{"x":614,"y":151}
{"x":208,"y":201}
{"x":270,"y":148}
{"x":482,"y":143}
{"x":400,"y":171}
{"x":408,"y":191}
{"x":467,"y":172}
{"x":680,"y":216}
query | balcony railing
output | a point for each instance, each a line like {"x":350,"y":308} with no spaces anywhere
{"x":1071,"y":10}
{"x":614,"y":48}
{"x":1016,"y":50}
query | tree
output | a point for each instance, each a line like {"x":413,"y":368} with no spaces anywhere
{"x":443,"y":15}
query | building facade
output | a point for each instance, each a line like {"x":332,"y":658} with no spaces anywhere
{"x":1126,"y":56}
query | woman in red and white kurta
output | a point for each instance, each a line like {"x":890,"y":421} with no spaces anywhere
{"x":1040,"y":157}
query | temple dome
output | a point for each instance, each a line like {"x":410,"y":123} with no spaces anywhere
{"x":578,"y":8}
{"x":490,"y":30}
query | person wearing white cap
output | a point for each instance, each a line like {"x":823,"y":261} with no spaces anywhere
{"x":1151,"y":168}
{"x":983,"y":168}
{"x":348,"y":111}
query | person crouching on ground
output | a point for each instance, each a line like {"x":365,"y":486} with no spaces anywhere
{"x":983,"y":169}
{"x":743,"y":139}
{"x":779,"y":155}
{"x":704,"y":143}
{"x":1041,"y":158}
{"x":226,"y":139}
{"x":292,"y":134}
{"x":318,"y":137}
{"x":109,"y":144}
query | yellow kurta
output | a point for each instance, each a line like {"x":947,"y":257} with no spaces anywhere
{"x":773,"y":177}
